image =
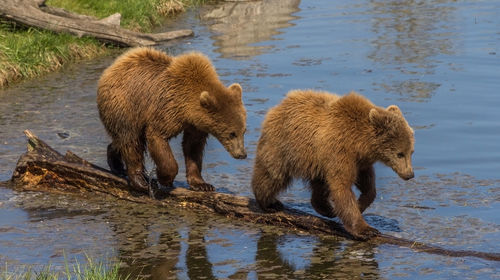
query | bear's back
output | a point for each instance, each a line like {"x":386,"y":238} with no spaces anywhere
{"x":129,"y":88}
{"x":309,"y":128}
{"x":141,"y":58}
{"x":352,"y":110}
{"x":300,"y":107}
{"x":310,"y":99}
{"x":298,"y":119}
{"x":136,"y":68}
{"x":308,"y":114}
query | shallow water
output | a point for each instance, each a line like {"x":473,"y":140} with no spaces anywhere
{"x":437,"y":60}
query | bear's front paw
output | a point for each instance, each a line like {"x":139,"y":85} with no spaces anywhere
{"x":274,"y":207}
{"x":203,"y":187}
{"x":365,"y":233}
{"x":139,"y":182}
{"x":156,"y":192}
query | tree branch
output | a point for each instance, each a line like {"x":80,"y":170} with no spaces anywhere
{"x":35,"y":13}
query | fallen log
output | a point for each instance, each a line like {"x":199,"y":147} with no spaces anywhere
{"x":43,"y":169}
{"x":35,"y":13}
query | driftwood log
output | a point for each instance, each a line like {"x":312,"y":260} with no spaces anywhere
{"x":36,"y":13}
{"x":44,"y":169}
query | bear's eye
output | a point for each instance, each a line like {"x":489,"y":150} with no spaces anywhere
{"x":232,"y":135}
{"x":401,"y":155}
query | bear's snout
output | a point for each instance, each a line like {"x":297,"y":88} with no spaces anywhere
{"x":236,"y":147}
{"x":239,"y":153}
{"x":241,"y":156}
{"x":408,"y":176}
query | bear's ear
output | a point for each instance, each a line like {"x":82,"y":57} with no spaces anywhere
{"x":207,"y":101}
{"x":379,"y":119}
{"x":394,"y":109}
{"x":236,"y":89}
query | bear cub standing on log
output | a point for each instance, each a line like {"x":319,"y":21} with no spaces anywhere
{"x":147,"y":97}
{"x":332,"y":142}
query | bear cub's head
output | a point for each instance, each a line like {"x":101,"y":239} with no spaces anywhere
{"x":395,"y":140}
{"x":226,"y":118}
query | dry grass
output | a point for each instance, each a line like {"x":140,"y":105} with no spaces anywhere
{"x":170,"y":7}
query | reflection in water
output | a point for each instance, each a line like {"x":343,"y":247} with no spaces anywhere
{"x":171,"y":243}
{"x":174,"y":243}
{"x":329,"y":259}
{"x":415,"y":89}
{"x":239,"y":25}
{"x":148,"y":241}
{"x":163,"y":257}
{"x":197,"y":263}
{"x":409,"y":36}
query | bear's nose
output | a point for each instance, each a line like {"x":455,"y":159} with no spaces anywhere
{"x":242,"y":156}
{"x":409,"y":176}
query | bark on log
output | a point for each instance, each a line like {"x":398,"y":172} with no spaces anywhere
{"x":34,"y":13}
{"x":44,"y":169}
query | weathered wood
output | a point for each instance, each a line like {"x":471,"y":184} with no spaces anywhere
{"x":112,"y":19}
{"x":44,"y":169}
{"x":35,"y":13}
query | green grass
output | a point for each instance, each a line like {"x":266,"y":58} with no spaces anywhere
{"x":30,"y":52}
{"x":138,"y":15}
{"x":90,"y":271}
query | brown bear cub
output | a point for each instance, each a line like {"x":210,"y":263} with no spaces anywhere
{"x":147,"y":97}
{"x":332,"y":142}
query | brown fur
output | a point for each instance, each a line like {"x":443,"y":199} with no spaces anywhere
{"x":332,"y":142}
{"x":147,"y":97}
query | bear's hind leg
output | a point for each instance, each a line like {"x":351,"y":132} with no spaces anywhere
{"x":166,"y":166}
{"x":115,"y":161}
{"x":366,"y":184}
{"x":193,"y":143}
{"x":267,"y":188}
{"x":320,"y":198}
{"x":133,"y":156}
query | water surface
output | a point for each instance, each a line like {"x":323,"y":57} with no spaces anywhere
{"x":437,"y":60}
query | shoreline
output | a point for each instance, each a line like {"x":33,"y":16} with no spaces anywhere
{"x":28,"y":52}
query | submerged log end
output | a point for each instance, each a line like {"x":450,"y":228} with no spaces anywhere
{"x":32,"y":140}
{"x":37,"y":146}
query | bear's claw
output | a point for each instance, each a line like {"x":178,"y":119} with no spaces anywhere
{"x":203,"y":187}
{"x":155,"y":192}
{"x":139,"y":182}
{"x":366,"y":233}
{"x":143,"y":183}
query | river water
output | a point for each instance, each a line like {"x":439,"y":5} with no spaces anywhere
{"x":439,"y":61}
